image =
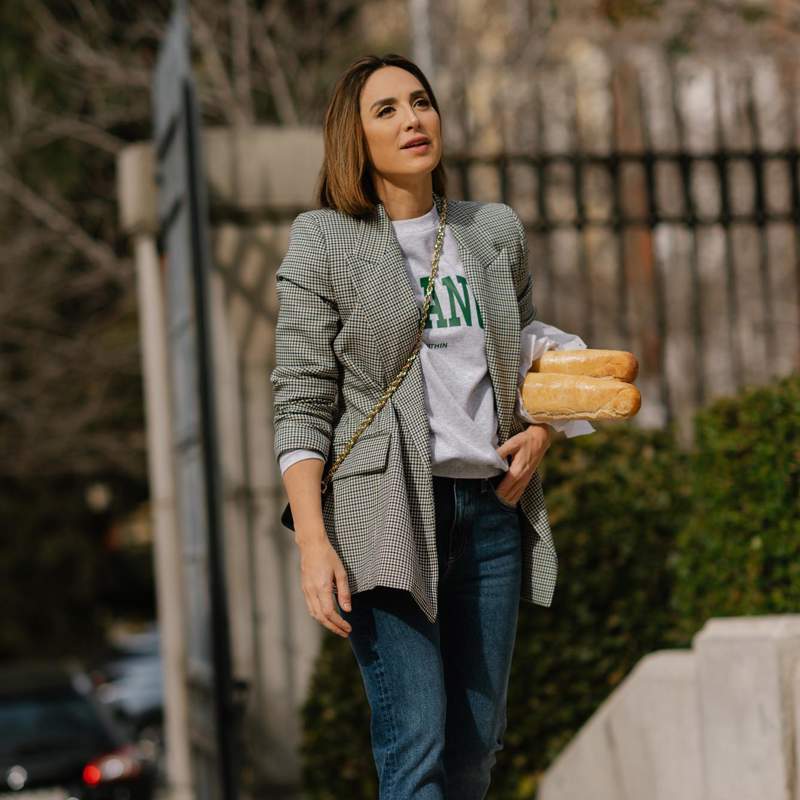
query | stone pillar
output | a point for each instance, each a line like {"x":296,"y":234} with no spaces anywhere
{"x":746,"y":676}
{"x":136,"y":192}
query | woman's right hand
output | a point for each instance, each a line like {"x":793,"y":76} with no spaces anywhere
{"x":320,"y":566}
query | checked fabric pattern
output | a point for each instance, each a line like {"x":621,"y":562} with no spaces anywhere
{"x":347,"y":321}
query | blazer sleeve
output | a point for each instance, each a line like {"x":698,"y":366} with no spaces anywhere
{"x":305,"y":378}
{"x":523,"y":281}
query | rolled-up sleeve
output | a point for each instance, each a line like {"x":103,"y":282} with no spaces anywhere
{"x":305,"y":378}
{"x":523,"y":280}
{"x":293,"y":456}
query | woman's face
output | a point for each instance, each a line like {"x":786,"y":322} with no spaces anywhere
{"x":395,"y":110}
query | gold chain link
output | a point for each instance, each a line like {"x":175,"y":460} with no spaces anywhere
{"x":400,"y":375}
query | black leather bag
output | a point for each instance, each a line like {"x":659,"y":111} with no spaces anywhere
{"x":286,"y":517}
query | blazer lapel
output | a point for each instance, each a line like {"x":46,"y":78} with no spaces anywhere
{"x":378,"y":272}
{"x":489,"y":276}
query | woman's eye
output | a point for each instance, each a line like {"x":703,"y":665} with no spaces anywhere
{"x":387,"y":108}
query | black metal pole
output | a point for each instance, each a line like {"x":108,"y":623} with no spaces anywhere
{"x":220,"y":632}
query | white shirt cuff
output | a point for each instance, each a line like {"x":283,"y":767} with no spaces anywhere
{"x":292,"y":456}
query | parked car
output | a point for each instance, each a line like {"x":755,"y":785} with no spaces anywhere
{"x":128,"y":680}
{"x":57,"y":742}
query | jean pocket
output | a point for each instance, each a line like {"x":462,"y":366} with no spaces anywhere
{"x":503,"y":503}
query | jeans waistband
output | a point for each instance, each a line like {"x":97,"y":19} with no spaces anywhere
{"x":446,"y":480}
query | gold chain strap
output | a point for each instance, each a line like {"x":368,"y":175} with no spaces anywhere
{"x":400,"y":375}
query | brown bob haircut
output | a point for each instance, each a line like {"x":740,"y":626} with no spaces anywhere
{"x":345,"y":181}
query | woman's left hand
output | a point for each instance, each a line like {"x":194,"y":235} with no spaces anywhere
{"x":527,"y":449}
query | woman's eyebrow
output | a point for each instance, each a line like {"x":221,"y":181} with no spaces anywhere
{"x":415,"y":93}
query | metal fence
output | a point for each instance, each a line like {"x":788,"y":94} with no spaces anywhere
{"x":689,"y":257}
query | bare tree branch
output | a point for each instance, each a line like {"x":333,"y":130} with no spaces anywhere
{"x":270,"y":61}
{"x":240,"y":46}
{"x":56,"y":128}
{"x":99,"y":253}
{"x":63,"y":46}
{"x":212,"y":59}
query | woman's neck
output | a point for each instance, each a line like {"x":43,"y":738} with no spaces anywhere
{"x":401,"y":203}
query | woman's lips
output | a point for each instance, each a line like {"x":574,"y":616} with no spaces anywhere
{"x":422,"y":146}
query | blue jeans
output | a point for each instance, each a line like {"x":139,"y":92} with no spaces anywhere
{"x":437,"y":692}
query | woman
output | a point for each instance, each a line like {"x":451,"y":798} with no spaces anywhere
{"x":430,"y":536}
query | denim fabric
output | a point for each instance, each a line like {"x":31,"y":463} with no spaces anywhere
{"x":437,"y":691}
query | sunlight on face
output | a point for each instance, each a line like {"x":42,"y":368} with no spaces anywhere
{"x":395,"y":108}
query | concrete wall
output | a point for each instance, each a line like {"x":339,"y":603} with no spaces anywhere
{"x":716,"y":722}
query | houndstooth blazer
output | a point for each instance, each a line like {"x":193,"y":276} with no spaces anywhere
{"x":336,"y":352}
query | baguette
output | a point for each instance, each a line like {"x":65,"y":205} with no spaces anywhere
{"x":618,"y":364}
{"x":553,"y":396}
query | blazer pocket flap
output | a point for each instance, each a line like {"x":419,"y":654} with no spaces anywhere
{"x":369,"y":454}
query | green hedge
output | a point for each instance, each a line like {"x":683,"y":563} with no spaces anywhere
{"x":739,"y":552}
{"x":615,"y":502}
